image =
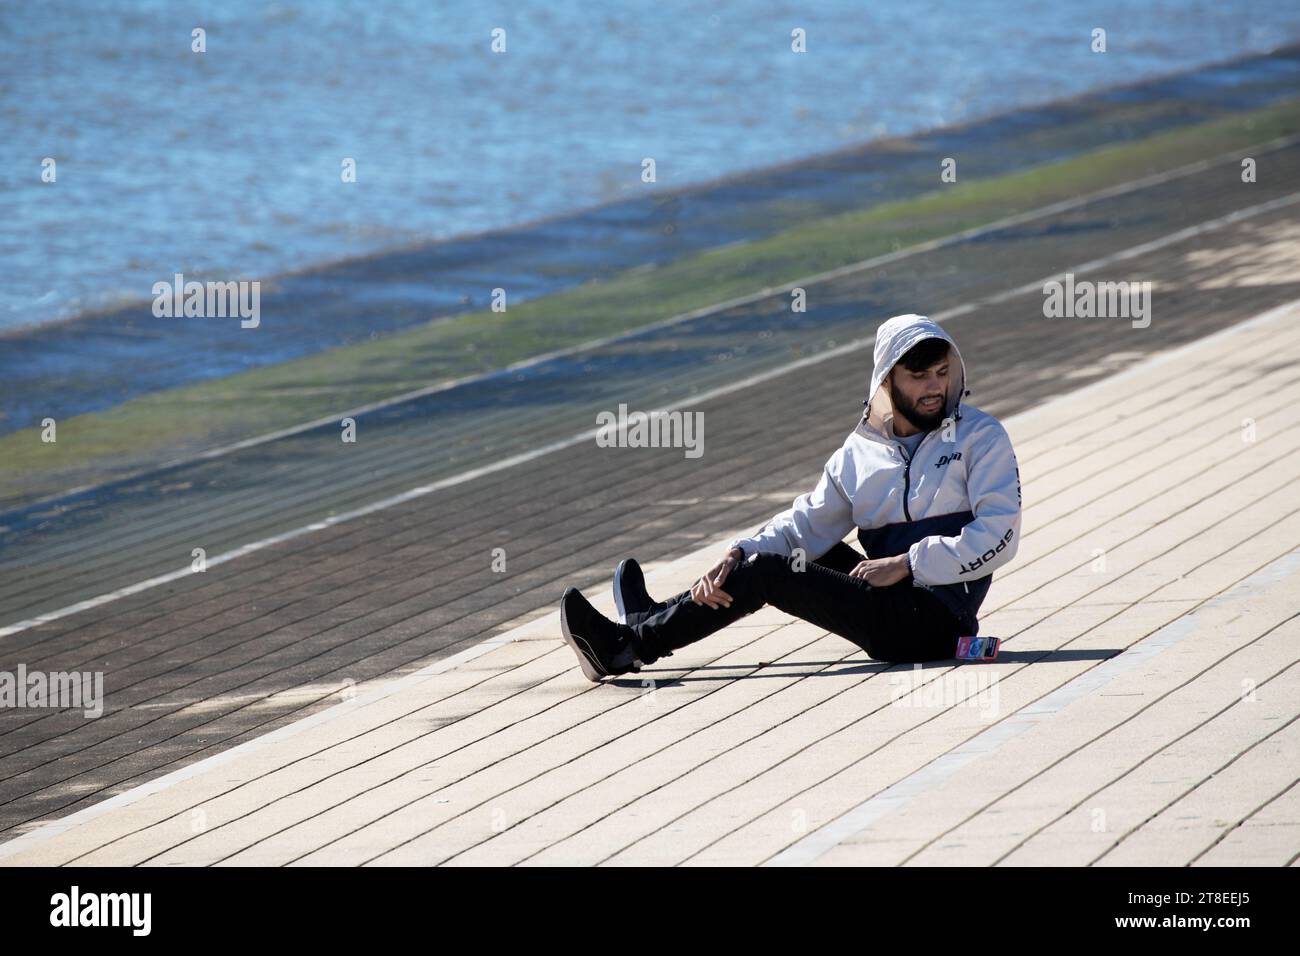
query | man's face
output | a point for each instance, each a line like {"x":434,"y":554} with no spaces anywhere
{"x":920,"y":397}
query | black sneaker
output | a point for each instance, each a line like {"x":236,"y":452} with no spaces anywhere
{"x":630,"y":595}
{"x":603,"y":651}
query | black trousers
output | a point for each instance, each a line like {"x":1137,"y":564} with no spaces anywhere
{"x":902,"y":623}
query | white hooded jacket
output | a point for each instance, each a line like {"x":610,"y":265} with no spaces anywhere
{"x":954,"y":507}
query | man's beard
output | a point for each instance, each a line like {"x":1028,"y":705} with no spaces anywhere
{"x":925,"y":421}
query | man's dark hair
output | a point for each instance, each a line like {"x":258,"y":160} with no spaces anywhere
{"x":924,"y":354}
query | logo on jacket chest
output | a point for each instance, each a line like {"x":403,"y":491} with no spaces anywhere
{"x":946,"y":459}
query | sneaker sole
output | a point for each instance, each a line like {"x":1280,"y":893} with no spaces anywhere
{"x":620,"y":603}
{"x":586,"y":660}
{"x":618,"y":591}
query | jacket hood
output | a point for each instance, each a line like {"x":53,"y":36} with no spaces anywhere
{"x":893,"y":339}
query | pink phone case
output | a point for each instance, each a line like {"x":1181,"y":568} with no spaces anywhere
{"x":978,"y":648}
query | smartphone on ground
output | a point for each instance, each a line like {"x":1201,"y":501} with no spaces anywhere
{"x":978,"y":648}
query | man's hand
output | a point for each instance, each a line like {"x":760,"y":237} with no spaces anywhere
{"x":882,"y":572}
{"x":708,"y":589}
